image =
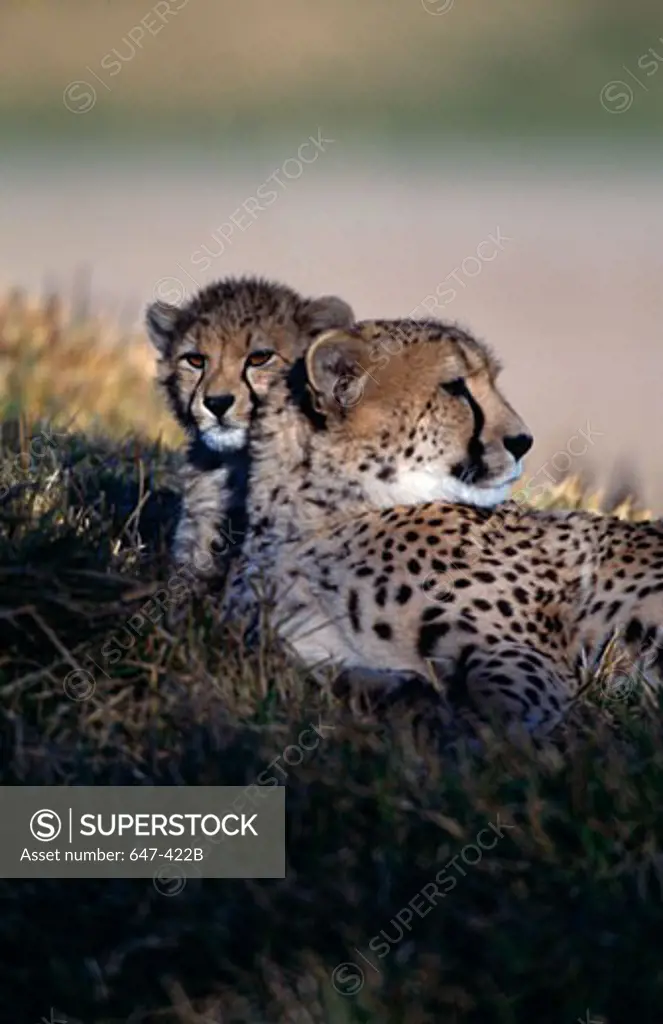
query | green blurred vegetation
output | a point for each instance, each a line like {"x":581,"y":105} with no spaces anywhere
{"x":223,"y":73}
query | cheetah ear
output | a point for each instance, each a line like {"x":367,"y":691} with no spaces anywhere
{"x":326,"y":313}
{"x":161,"y":320}
{"x":334,"y":371}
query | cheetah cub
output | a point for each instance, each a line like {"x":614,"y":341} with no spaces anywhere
{"x":499,"y":603}
{"x":205,"y":349}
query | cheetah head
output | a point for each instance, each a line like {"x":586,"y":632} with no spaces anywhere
{"x":414,"y":408}
{"x":206,"y":347}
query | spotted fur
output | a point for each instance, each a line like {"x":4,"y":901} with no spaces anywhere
{"x":501,"y":604}
{"x":223,"y":328}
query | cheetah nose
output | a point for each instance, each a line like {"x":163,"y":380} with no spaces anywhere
{"x":518,"y":445}
{"x":218,"y":405}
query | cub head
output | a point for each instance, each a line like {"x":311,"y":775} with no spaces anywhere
{"x":207,"y":346}
{"x":413,"y":409}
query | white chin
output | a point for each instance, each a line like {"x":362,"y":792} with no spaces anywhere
{"x":414,"y":487}
{"x":224,"y":439}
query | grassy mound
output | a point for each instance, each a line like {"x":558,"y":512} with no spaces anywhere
{"x":422,"y":885}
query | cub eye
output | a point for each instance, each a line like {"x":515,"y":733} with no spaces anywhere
{"x":195,"y":359}
{"x":259,"y":357}
{"x":455,"y":387}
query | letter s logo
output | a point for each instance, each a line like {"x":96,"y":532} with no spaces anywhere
{"x":45,"y":825}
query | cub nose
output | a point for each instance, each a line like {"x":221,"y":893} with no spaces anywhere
{"x":518,"y":445}
{"x":219,"y":405}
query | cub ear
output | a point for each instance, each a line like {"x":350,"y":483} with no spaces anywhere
{"x":325,"y":313}
{"x":161,"y":320}
{"x":334,"y":371}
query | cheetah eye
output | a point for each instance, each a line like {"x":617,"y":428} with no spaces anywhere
{"x":195,"y":359}
{"x":456,"y":387}
{"x":259,"y":357}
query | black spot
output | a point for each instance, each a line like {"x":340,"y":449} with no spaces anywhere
{"x":383,"y":630}
{"x":353,"y":610}
{"x":403,"y":594}
{"x":521,"y":595}
{"x":484,"y":577}
{"x":364,"y":570}
{"x":414,"y":567}
{"x":501,"y":680}
{"x":381,"y":597}
{"x":505,"y":608}
{"x":429,"y":634}
{"x":633,"y":631}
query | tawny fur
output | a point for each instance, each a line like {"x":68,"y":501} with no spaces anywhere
{"x":501,"y":603}
{"x":226,"y":324}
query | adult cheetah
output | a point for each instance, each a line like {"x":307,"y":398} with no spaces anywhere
{"x":501,"y":603}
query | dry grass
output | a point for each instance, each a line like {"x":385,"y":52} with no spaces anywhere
{"x":560,"y":918}
{"x":59,"y":364}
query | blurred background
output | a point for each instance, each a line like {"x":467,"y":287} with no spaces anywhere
{"x":498,"y":164}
